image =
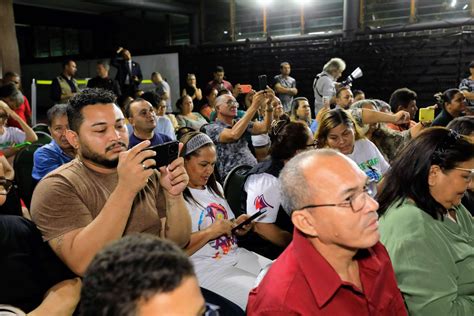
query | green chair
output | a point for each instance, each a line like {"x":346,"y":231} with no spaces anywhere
{"x":41,"y":127}
{"x":233,"y":186}
{"x":43,"y":138}
{"x":23,"y":166}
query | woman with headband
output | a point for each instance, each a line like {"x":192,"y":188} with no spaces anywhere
{"x":220,"y":265}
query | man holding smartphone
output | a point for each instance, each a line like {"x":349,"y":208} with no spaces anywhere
{"x":109,"y":191}
{"x":229,"y":136}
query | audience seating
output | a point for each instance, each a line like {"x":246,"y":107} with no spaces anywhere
{"x":41,"y":127}
{"x":23,"y":165}
{"x":43,"y":138}
{"x":233,"y":184}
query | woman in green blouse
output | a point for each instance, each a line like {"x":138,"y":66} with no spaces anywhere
{"x":428,"y":233}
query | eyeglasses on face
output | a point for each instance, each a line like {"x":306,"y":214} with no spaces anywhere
{"x":356,"y":202}
{"x":232,"y":102}
{"x":471,"y":172}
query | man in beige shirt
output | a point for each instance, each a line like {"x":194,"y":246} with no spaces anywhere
{"x":108,"y":191}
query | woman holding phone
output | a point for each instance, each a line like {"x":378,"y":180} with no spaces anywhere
{"x":220,"y":265}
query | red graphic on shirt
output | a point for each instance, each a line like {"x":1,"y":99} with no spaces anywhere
{"x":223,"y":244}
{"x":260,"y":203}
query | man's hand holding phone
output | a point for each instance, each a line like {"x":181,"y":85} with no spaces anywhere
{"x":174,"y":178}
{"x":134,"y":166}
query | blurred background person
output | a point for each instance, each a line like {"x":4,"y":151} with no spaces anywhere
{"x":24,"y":109}
{"x":191,"y":88}
{"x":452,"y":103}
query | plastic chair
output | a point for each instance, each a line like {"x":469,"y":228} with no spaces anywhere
{"x":233,"y":186}
{"x":41,"y":127}
{"x":23,"y":166}
{"x":43,"y":138}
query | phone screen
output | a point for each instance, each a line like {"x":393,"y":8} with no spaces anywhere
{"x":262,"y":82}
{"x":245,"y":88}
{"x":426,"y":115}
{"x":165,"y":153}
{"x":248,"y":220}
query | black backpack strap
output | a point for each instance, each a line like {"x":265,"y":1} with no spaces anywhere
{"x":318,"y":76}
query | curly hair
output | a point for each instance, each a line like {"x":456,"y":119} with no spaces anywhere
{"x":132,"y":269}
{"x":89,"y":96}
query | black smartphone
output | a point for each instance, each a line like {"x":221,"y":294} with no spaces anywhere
{"x":165,"y":153}
{"x":262,"y":82}
{"x":248,"y":220}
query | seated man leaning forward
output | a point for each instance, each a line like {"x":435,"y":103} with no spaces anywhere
{"x":335,"y":264}
{"x":58,"y":151}
{"x":108,"y":191}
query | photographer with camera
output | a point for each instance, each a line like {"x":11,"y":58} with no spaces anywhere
{"x":325,"y":85}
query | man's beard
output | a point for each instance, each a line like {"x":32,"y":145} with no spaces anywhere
{"x":99,"y":159}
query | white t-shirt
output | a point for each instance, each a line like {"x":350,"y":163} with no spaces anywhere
{"x":11,"y":136}
{"x":221,"y":251}
{"x":260,"y":140}
{"x":263,"y":192}
{"x":369,"y":159}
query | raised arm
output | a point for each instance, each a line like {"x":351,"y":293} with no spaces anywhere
{"x":230,"y":135}
{"x":29,"y":132}
{"x":263,"y":127}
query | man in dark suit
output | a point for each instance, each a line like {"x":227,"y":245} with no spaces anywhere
{"x":129,"y":74}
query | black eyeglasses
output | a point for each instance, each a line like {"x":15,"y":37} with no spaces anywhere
{"x":356,"y":202}
{"x":313,"y":145}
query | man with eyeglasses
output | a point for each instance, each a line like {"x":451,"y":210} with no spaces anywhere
{"x":335,"y":264}
{"x":142,"y":119}
{"x":230,"y":136}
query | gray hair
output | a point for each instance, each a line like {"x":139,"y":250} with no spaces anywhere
{"x":334,"y":65}
{"x":294,"y":187}
{"x":56,"y":111}
{"x":222,"y":99}
{"x":104,"y":63}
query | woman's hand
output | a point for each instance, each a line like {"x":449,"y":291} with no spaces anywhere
{"x":246,"y":228}
{"x":220,"y":227}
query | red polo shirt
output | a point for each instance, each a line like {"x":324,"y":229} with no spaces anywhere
{"x":301,"y":282}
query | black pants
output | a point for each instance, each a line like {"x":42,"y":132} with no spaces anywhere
{"x":28,"y":266}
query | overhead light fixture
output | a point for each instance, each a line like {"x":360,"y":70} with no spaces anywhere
{"x":465,"y":6}
{"x":264,"y":3}
{"x":303,"y":2}
{"x":453,"y":3}
{"x":316,"y":33}
{"x":225,"y":32}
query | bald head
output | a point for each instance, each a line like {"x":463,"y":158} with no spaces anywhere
{"x":315,"y":173}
